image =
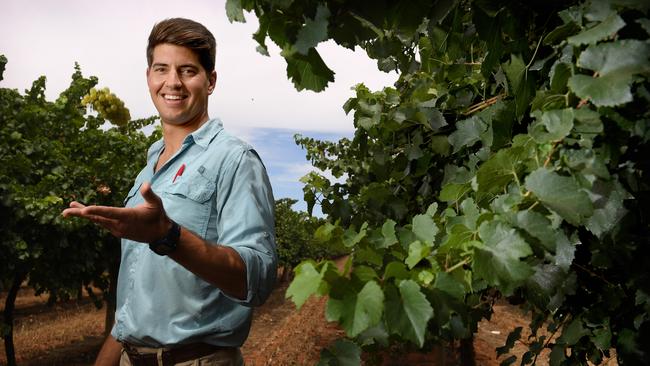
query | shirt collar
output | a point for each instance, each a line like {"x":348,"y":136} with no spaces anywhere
{"x":204,"y":135}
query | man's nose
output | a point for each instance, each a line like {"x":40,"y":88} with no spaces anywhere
{"x":173,"y":80}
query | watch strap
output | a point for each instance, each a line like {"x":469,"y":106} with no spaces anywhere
{"x":169,"y":242}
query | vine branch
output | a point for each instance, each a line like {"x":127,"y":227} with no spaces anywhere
{"x":483,"y":104}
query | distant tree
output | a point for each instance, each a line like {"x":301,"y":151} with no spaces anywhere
{"x":294,"y":232}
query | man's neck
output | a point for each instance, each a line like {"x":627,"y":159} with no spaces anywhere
{"x":174,"y":135}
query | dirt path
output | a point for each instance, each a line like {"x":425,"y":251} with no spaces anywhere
{"x":296,"y":340}
{"x":71,"y":334}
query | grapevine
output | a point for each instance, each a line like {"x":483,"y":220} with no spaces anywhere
{"x":505,"y":163}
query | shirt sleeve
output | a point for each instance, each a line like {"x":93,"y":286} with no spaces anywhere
{"x":246,"y":223}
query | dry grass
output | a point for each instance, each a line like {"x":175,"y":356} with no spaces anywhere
{"x":55,"y":332}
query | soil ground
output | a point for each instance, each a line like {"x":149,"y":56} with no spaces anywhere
{"x":71,"y":333}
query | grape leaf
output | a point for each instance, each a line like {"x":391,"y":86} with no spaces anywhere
{"x":608,"y":208}
{"x":342,"y":353}
{"x":538,"y":226}
{"x":615,"y":63}
{"x":559,"y":75}
{"x":308,"y":281}
{"x":364,"y":273}
{"x":447,"y":283}
{"x":587,"y":122}
{"x":467,"y":133}
{"x":497,"y":259}
{"x":417,"y":251}
{"x":308,"y":72}
{"x":425,"y":229}
{"x":548,"y":287}
{"x":396,"y":270}
{"x":553,"y":240}
{"x":572,"y":332}
{"x":234,"y":11}
{"x":565,"y":250}
{"x":599,"y":32}
{"x":407,"y":311}
{"x":388,"y":234}
{"x":358,"y":313}
{"x":453,"y":192}
{"x":605,"y":91}
{"x":314,"y":31}
{"x":499,"y":170}
{"x":351,"y":237}
{"x":560,"y":194}
{"x":374,"y":335}
{"x":521,"y":83}
{"x":459,"y":235}
{"x":551,"y":125}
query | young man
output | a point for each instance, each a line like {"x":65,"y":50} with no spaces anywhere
{"x":197,"y":228}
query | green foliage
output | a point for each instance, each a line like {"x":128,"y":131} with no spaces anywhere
{"x":527,"y":124}
{"x":341,"y":353}
{"x":296,"y":236}
{"x":52,"y":153}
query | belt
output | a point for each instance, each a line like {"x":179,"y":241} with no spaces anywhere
{"x":171,"y":356}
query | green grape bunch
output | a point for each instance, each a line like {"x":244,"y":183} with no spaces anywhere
{"x":108,"y":105}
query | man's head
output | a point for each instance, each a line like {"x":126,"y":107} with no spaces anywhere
{"x":185,"y":33}
{"x":181,"y":76}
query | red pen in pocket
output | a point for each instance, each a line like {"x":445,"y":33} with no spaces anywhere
{"x":179,"y":173}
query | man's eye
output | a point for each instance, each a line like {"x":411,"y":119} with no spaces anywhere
{"x":188,"y":72}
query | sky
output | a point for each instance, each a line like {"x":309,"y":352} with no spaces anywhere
{"x":253,"y":97}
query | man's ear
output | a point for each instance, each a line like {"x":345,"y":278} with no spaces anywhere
{"x":213,"y":81}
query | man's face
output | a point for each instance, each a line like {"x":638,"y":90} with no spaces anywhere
{"x":179,"y":85}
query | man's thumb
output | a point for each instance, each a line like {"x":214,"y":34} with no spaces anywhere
{"x":148,"y":195}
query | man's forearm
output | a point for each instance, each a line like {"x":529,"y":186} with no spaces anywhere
{"x":219,"y":265}
{"x":110,"y":353}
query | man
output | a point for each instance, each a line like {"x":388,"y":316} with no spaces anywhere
{"x":197,"y":229}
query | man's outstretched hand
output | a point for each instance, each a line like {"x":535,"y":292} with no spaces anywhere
{"x":145,"y":223}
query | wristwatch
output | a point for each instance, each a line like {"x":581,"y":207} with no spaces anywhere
{"x":167,"y":243}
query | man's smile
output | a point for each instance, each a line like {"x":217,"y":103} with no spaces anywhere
{"x":174,"y":96}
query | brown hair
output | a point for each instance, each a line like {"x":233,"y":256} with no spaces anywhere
{"x":185,"y":33}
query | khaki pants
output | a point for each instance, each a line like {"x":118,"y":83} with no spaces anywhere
{"x":224,"y":357}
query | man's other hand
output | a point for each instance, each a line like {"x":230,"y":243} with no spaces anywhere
{"x":145,"y":223}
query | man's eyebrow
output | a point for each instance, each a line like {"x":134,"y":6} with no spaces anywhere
{"x":194,"y":66}
{"x":189,"y":65}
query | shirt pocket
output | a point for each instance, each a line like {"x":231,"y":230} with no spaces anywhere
{"x":189,"y":202}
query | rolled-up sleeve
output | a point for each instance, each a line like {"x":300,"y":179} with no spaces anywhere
{"x":246,"y":223}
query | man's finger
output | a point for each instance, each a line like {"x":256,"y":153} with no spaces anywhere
{"x":148,"y":194}
{"x":118,"y":213}
{"x":75,"y":204}
{"x":72,"y":212}
{"x":107,"y":223}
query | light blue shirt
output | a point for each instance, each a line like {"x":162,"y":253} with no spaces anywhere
{"x":224,"y":196}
